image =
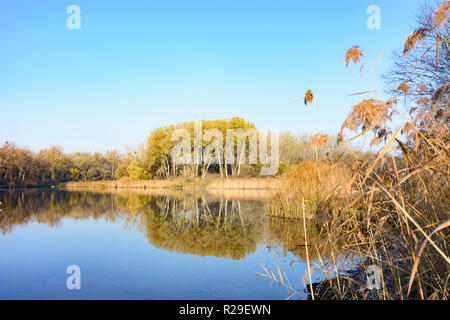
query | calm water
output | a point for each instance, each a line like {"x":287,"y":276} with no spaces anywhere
{"x":131,"y":246}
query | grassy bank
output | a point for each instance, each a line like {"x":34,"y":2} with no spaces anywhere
{"x":209,"y":194}
{"x":185,"y":184}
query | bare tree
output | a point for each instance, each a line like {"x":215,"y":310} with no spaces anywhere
{"x":426,"y":68}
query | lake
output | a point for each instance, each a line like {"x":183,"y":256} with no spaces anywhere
{"x":166,"y":245}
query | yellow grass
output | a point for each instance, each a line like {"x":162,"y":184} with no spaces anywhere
{"x":217,"y":183}
{"x":322,"y":185}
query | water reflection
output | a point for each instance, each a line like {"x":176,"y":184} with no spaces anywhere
{"x":219,"y":228}
{"x":233,"y":227}
{"x":191,"y":223}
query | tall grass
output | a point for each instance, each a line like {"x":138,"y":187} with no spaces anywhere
{"x":323,"y":186}
{"x":243,"y":183}
{"x":395,"y":213}
{"x":179,"y":183}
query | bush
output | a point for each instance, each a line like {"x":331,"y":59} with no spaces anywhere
{"x":121,"y":171}
{"x":136,"y":172}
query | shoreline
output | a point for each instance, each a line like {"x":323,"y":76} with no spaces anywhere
{"x":229,"y":188}
{"x":178,"y":184}
{"x":211,"y":194}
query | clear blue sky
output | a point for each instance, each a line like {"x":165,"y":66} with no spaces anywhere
{"x":138,"y":65}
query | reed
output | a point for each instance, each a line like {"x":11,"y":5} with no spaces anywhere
{"x":179,"y":183}
{"x":394,"y":214}
{"x":324,"y":186}
{"x":243,"y":183}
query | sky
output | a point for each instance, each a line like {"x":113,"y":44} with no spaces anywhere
{"x":134,"y":66}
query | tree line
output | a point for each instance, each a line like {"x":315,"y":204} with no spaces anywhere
{"x":21,"y":167}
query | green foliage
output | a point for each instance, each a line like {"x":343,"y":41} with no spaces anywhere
{"x":74,"y":174}
{"x":281,"y":169}
{"x":136,"y":172}
{"x":157,"y":155}
{"x":121,"y":171}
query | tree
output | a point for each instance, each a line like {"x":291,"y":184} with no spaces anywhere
{"x":157,"y":158}
{"x":74,"y":174}
{"x":112,"y":159}
{"x":54,"y":161}
{"x":121,"y":171}
{"x":293,"y":148}
{"x":83,"y":162}
{"x":425,"y":69}
{"x":136,"y":172}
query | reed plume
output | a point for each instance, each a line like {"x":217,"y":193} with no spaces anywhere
{"x":405,"y":88}
{"x":413,"y":37}
{"x":309,"y":97}
{"x":353,"y":54}
{"x":439,"y":15}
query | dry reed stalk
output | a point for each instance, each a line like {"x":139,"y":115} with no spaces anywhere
{"x":373,"y":223}
{"x":309,"y":98}
{"x":306,"y":246}
{"x":419,"y":254}
{"x":322,"y":196}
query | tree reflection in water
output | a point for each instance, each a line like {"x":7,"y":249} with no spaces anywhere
{"x":190,"y":224}
{"x":198,"y":224}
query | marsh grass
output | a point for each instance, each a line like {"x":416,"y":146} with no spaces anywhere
{"x":395,"y":214}
{"x":323,"y":186}
{"x":179,"y":183}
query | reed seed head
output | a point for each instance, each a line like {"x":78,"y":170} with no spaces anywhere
{"x":309,"y":97}
{"x":440,"y":93}
{"x":353,"y":54}
{"x":423,"y":101}
{"x":404,"y":88}
{"x":439,"y":15}
{"x":422,"y":88}
{"x":413,"y":37}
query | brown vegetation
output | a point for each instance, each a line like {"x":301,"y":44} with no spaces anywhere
{"x":323,"y":196}
{"x":179,"y":183}
{"x":396,"y":214}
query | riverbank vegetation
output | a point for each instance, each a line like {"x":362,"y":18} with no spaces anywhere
{"x":391,"y":211}
{"x":21,"y":167}
{"x":388,"y":209}
{"x":239,"y":183}
{"x":152,"y":160}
